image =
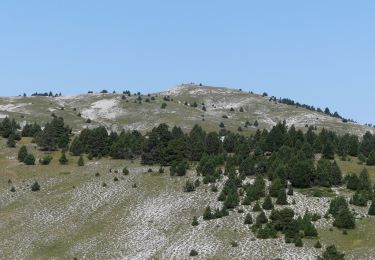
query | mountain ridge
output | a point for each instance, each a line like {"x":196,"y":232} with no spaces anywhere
{"x":185,"y":105}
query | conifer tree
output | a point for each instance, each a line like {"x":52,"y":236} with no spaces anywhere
{"x":248,"y":219}
{"x":371,"y":158}
{"x":29,"y":159}
{"x":195,"y":221}
{"x":35,"y":186}
{"x":275,"y":187}
{"x":318,"y":244}
{"x":344,"y":219}
{"x":261,"y":218}
{"x":11,"y":141}
{"x":207,"y":215}
{"x":371,"y":210}
{"x":63,"y":160}
{"x":22,"y":153}
{"x":81,"y":162}
{"x":331,"y":253}
{"x":267,"y":204}
{"x":336,"y":175}
{"x":257,"y":207}
{"x":282,"y":198}
{"x":328,"y":151}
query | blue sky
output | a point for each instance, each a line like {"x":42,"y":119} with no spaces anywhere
{"x":317,"y":52}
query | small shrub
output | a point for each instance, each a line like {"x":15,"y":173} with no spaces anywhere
{"x":214,"y":188}
{"x":115,"y":179}
{"x":125,"y":171}
{"x":81,"y":162}
{"x":45,"y":160}
{"x":195,"y":221}
{"x":35,"y":186}
{"x":248,"y":219}
{"x":13,"y":189}
{"x":63,"y":160}
{"x":193,"y":252}
{"x":29,"y":159}
{"x":318,"y":244}
{"x":189,"y":186}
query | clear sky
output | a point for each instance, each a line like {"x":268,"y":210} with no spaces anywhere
{"x":317,"y":52}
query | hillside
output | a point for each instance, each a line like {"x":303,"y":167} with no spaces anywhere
{"x":182,"y":193}
{"x":117,"y":113}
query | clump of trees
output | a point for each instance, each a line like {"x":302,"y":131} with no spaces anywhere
{"x":343,"y":217}
{"x":25,"y":157}
{"x":55,"y":135}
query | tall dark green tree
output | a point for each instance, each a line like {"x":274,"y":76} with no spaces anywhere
{"x":371,"y":158}
{"x":22,"y":153}
{"x":328,"y":151}
{"x":196,"y":143}
{"x":212,"y":143}
{"x":302,"y":173}
{"x":11,"y":142}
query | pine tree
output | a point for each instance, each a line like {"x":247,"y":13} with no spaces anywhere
{"x":35,"y":186}
{"x":328,"y":151}
{"x":81,"y":161}
{"x":63,"y":160}
{"x":248,"y":219}
{"x":290,"y":191}
{"x":195,"y":221}
{"x":336,"y":175}
{"x":257,"y":207}
{"x":267,"y":204}
{"x":298,"y":241}
{"x":337,"y":204}
{"x":22,"y":153}
{"x":371,"y":210}
{"x":189,"y":186}
{"x":318,"y":244}
{"x":275,"y":187}
{"x":344,"y":219}
{"x":261,"y":218}
{"x":11,"y":141}
{"x":331,"y":253}
{"x":310,"y":230}
{"x":282,"y":198}
{"x":29,"y":159}
{"x":371,"y":158}
{"x":125,"y":171}
{"x":207,"y":215}
{"x":364,"y":180}
{"x":301,"y":173}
